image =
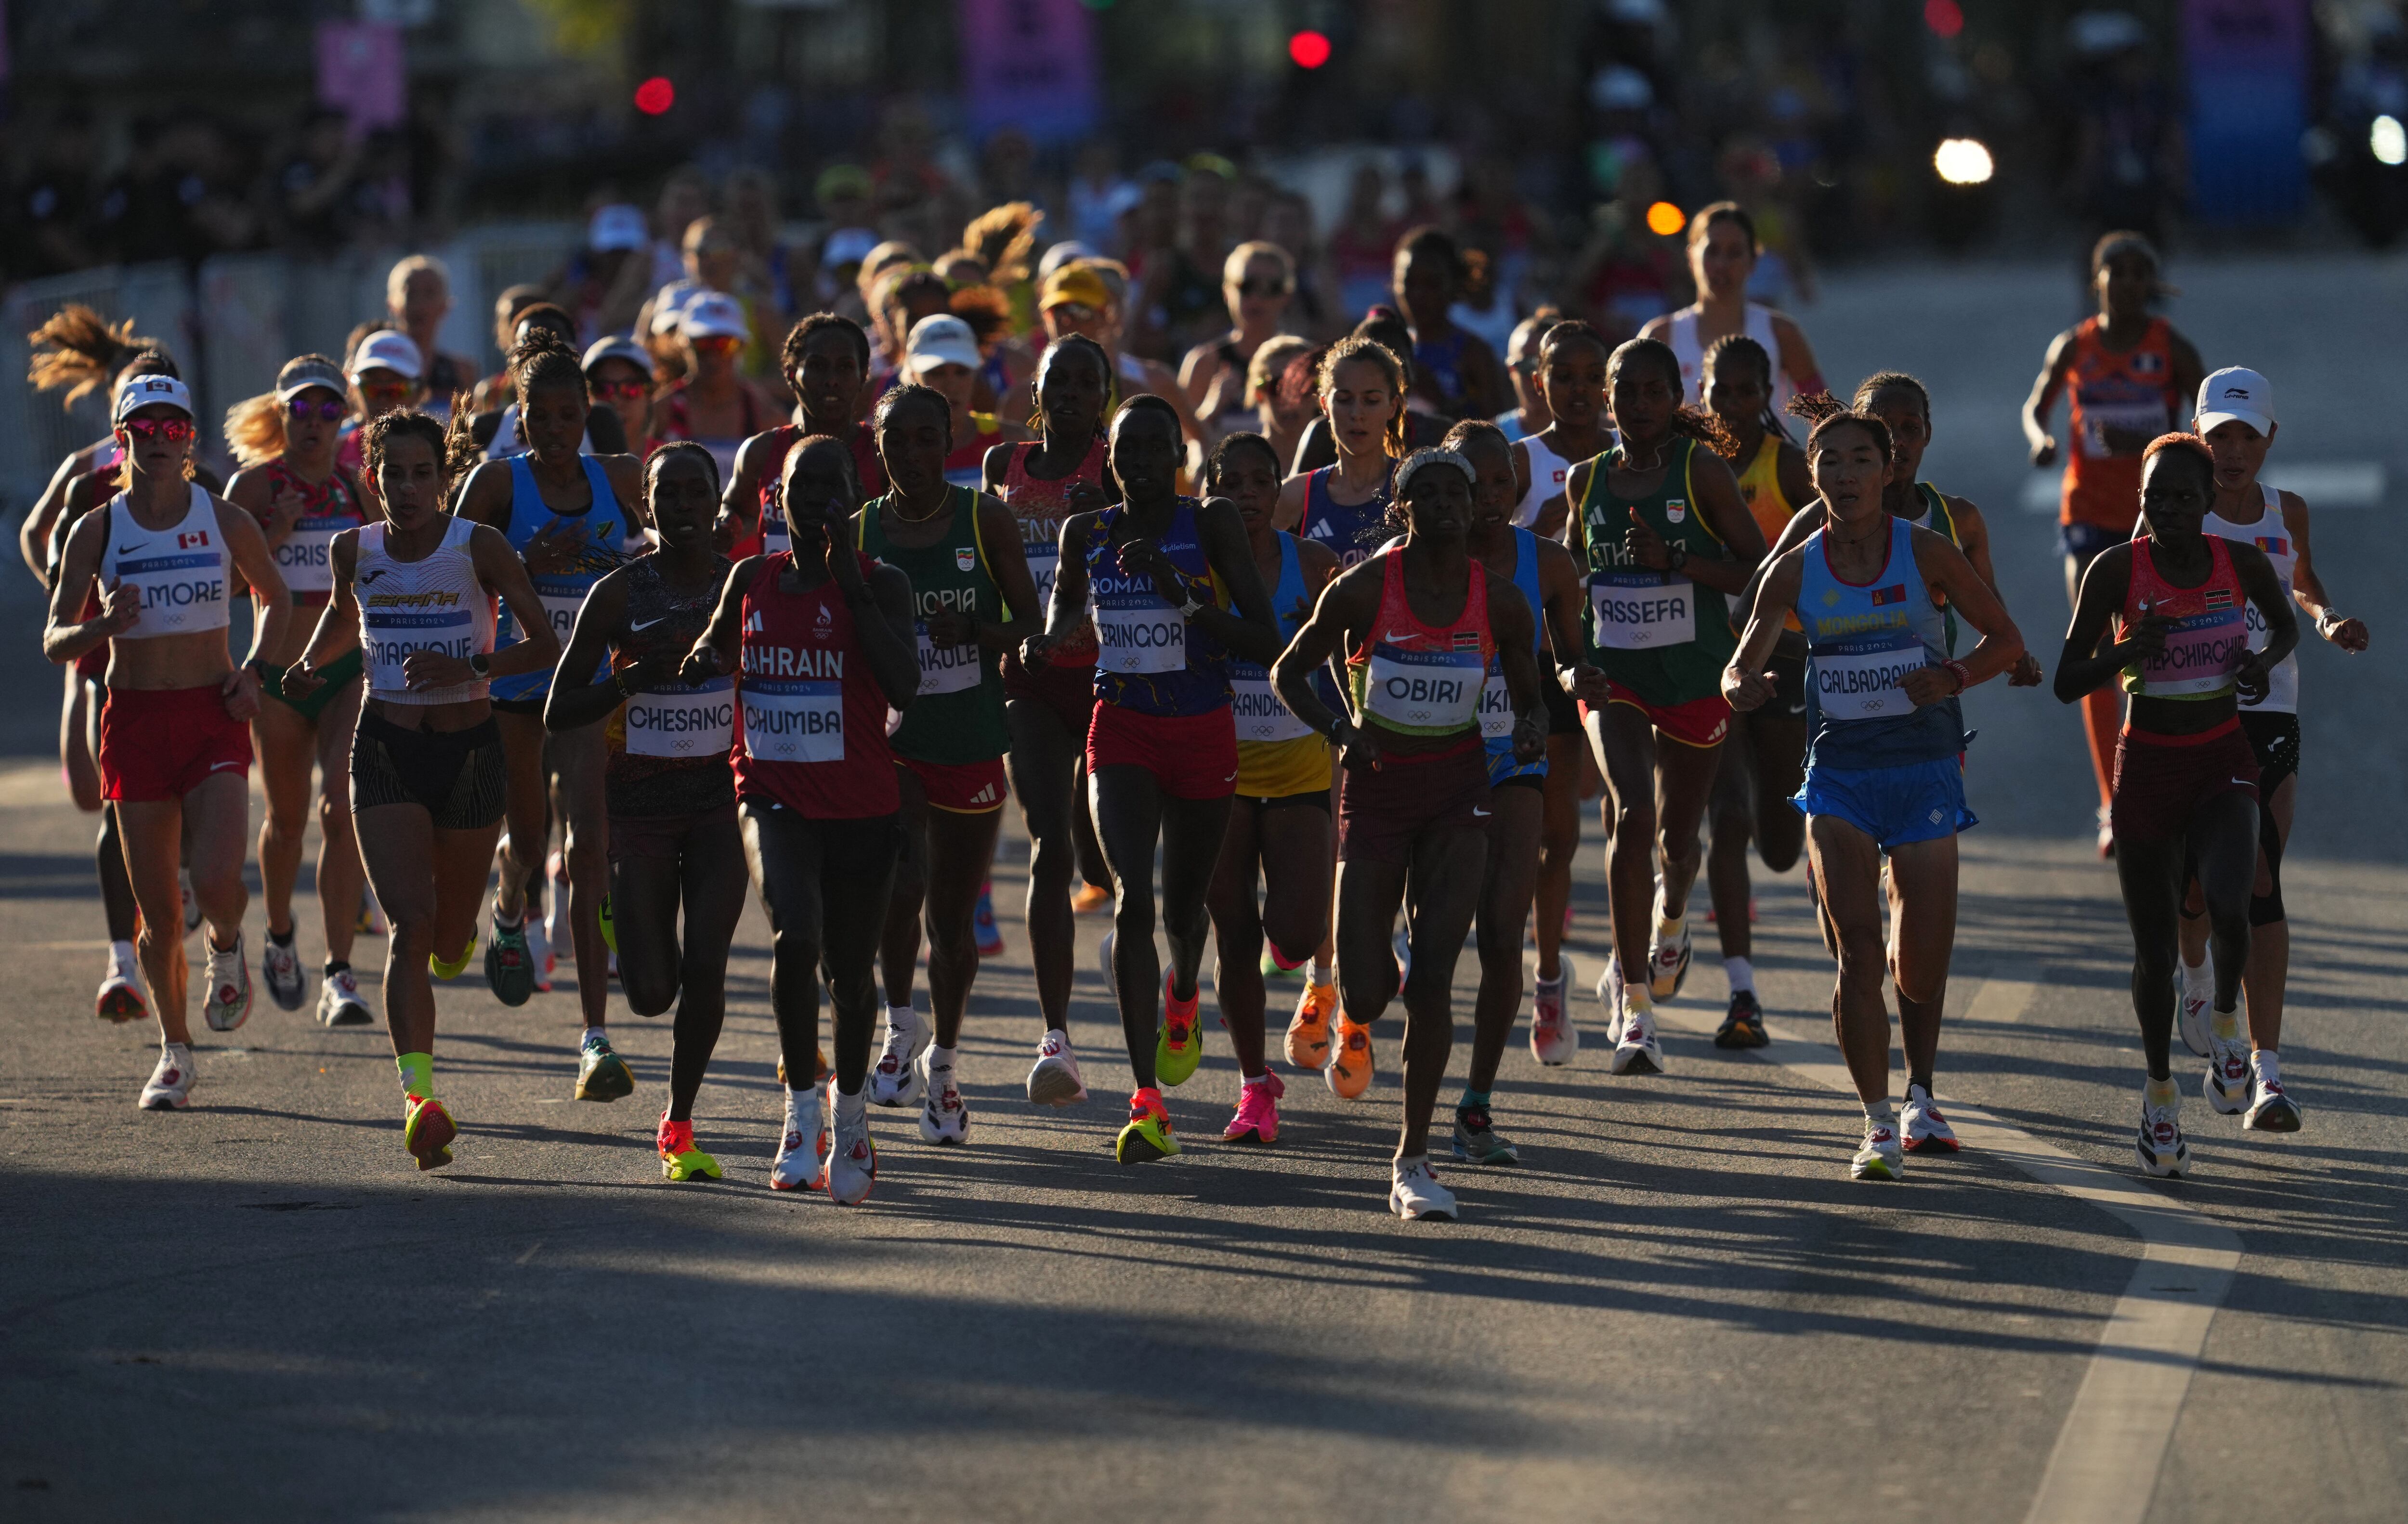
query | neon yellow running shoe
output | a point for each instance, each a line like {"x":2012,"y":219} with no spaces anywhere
{"x":458,"y":967}
{"x":680,"y":1159}
{"x":1179,"y":1043}
{"x":427,"y":1130}
{"x":1147,"y":1136}
{"x":610,"y":926}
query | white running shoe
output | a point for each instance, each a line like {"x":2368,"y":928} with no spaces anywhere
{"x":541,"y":957}
{"x":372,"y":918}
{"x":945,"y":1116}
{"x":1104,"y":962}
{"x":1402,"y":944}
{"x":799,"y":1148}
{"x":2192,"y":1001}
{"x":851,"y":1163}
{"x":1926,"y":1131}
{"x":340,"y":1004}
{"x":2270,"y":1109}
{"x":895,"y":1079}
{"x":555,"y":901}
{"x":2160,"y":1146}
{"x":1879,"y":1156}
{"x":192,"y":905}
{"x":1053,"y":1080}
{"x":120,"y":997}
{"x":2226,"y":1088}
{"x":1638,"y":1052}
{"x":280,"y":966}
{"x":1414,"y":1194}
{"x":171,"y":1083}
{"x":229,"y":1003}
{"x":1609,"y":994}
{"x":1667,"y":963}
{"x":1555,"y":1040}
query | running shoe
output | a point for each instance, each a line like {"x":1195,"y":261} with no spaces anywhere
{"x":1104,"y":962}
{"x":1637,"y":1051}
{"x":372,"y":922}
{"x":945,"y":1116}
{"x":1257,"y":1117}
{"x":1555,"y":1040}
{"x":1478,"y":1142}
{"x":120,"y":998}
{"x":457,"y":966}
{"x":982,"y":923}
{"x":2193,"y":999}
{"x":340,"y":1004}
{"x":1926,"y":1131}
{"x":1712,"y":918}
{"x":1273,"y":969}
{"x":1054,"y":1078}
{"x":280,"y":966}
{"x":851,"y":1164}
{"x":819,"y":1065}
{"x":1179,"y":1043}
{"x":610,"y":926}
{"x":1609,"y":994}
{"x":1667,"y":965}
{"x":1349,"y":1070}
{"x":192,"y":903}
{"x":427,"y":1130}
{"x":680,"y":1159}
{"x":602,"y":1075}
{"x":509,"y":967}
{"x":1879,"y":1156}
{"x":2270,"y":1109}
{"x":802,"y":1145}
{"x":555,"y":916}
{"x":1147,"y":1137}
{"x":1402,"y":944}
{"x":541,"y":957}
{"x":1743,"y":1026}
{"x":2226,"y":1088}
{"x":895,"y":1079}
{"x":170,"y":1087}
{"x":229,"y":1003}
{"x":1308,"y":1031}
{"x":1087,"y":899}
{"x":2106,"y":833}
{"x":2163,"y":1152}
{"x":1414,"y":1194}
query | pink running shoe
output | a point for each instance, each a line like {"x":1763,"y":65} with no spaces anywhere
{"x":1257,"y":1117}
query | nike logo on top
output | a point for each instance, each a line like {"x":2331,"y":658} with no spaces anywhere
{"x":1400,"y":634}
{"x":645,"y":625}
{"x":127,"y":549}
{"x":1480,"y":814}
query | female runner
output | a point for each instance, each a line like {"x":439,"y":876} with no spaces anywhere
{"x":303,"y":499}
{"x":416,"y":593}
{"x":1722,"y":251}
{"x":567,"y":514}
{"x":2125,"y":375}
{"x":1280,"y":823}
{"x":671,"y":792}
{"x":1764,"y":757}
{"x":175,"y":749}
{"x":821,"y":638}
{"x":1884,"y":776}
{"x":2236,"y":418}
{"x":1047,"y":705}
{"x":826,"y":364}
{"x":619,"y":374}
{"x":1162,"y":749}
{"x":1418,"y":625}
{"x":971,"y":597}
{"x":712,"y":405}
{"x":1455,"y":365}
{"x":2185,"y":777}
{"x":1666,"y":539}
{"x":943,"y":356}
{"x":1549,"y":582}
{"x":1257,"y":281}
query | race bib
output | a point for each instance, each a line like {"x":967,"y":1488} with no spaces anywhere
{"x":1865,"y":680}
{"x":793,"y":720}
{"x":774,"y":537}
{"x":1423,"y":691}
{"x":684,"y":721}
{"x":1140,"y":640}
{"x":947,"y":669}
{"x":2143,"y":417}
{"x":1262,"y":717}
{"x":1496,"y":705}
{"x":1642,"y":610}
{"x":305,"y":559}
{"x":2199,"y":656}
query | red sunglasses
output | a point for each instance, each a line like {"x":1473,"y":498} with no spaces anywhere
{"x":174,"y":430}
{"x":718,"y":344}
{"x":625,"y":391}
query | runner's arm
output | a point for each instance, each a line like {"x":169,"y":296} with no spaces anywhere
{"x":1974,"y":532}
{"x":575,"y":699}
{"x":1566,"y":605}
{"x":2261,"y":587}
{"x":1726,"y":513}
{"x":1746,"y":684}
{"x":626,"y":475}
{"x":740,"y":505}
{"x":247,"y":549}
{"x":1249,"y":629}
{"x":2044,"y":392}
{"x":2090,"y":660}
{"x":892,"y":644}
{"x":1796,"y":357}
{"x":1789,"y":468}
{"x":33,"y":535}
{"x":1288,"y":513}
{"x":1008,"y":559}
{"x":713,"y":654}
{"x":338,"y":621}
{"x":2309,"y":589}
{"x":67,"y":636}
{"x":1510,"y":625}
{"x":1945,"y":567}
{"x":485,"y":497}
{"x":1348,"y":604}
{"x":500,"y":568}
{"x":1069,"y":609}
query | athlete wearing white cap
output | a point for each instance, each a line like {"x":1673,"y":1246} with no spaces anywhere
{"x":2236,"y":418}
{"x":713,"y":406}
{"x":942,"y":353}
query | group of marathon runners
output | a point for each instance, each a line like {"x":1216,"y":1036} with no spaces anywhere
{"x":1343,"y":659}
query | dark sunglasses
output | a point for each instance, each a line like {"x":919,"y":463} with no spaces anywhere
{"x":1264,"y":288}
{"x":174,"y":430}
{"x":330,"y":409}
{"x":622,"y":391}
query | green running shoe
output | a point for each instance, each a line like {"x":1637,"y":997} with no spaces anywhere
{"x":1478,"y":1142}
{"x":601,"y":1073}
{"x":458,"y":967}
{"x":427,"y":1130}
{"x":510,"y":964}
{"x":610,"y":926}
{"x":1147,"y":1136}
{"x":1179,"y":1044}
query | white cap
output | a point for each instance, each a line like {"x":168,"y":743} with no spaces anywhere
{"x":714,"y":314}
{"x":617,"y":347}
{"x":941,"y":339}
{"x":148,"y":391}
{"x":387,"y":349}
{"x":617,"y":226}
{"x":2234,"y":393}
{"x":847,"y":246}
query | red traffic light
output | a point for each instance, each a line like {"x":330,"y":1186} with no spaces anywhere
{"x":1310,"y":50}
{"x":655,"y":96}
{"x":1945,"y":18}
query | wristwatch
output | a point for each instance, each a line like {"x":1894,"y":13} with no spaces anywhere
{"x":481,"y":664}
{"x":1188,"y":610}
{"x":1676,"y":554}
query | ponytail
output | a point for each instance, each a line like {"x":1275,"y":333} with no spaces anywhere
{"x":254,"y":430}
{"x":79,"y":350}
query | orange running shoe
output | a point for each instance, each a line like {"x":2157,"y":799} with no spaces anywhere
{"x":1350,"y":1062}
{"x":1308,"y":1031}
{"x":1087,"y":899}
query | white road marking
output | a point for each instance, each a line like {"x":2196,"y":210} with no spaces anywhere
{"x":2324,"y":484}
{"x":2104,"y":1468}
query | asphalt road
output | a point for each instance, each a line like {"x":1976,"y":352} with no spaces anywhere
{"x":1679,"y":1305}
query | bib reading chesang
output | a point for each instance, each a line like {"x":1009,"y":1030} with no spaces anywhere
{"x":1257,"y":709}
{"x":1642,"y":610}
{"x":1140,"y":640}
{"x":794,"y":720}
{"x":1424,"y":691}
{"x":947,"y":669}
{"x":1865,"y":678}
{"x":684,"y":721}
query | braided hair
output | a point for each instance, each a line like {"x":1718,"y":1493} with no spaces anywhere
{"x":1740,"y":350}
{"x":1825,"y":412}
{"x":1687,"y":421}
{"x":1883,"y":381}
{"x":542,"y":358}
{"x":1218,"y":462}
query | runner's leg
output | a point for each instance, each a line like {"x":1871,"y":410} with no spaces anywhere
{"x":581,"y":756}
{"x":1129,"y":809}
{"x":1502,"y":910}
{"x":1445,"y":877}
{"x":153,"y":834}
{"x":713,"y":885}
{"x":1043,"y":768}
{"x":1847,"y":868}
{"x":898,"y":944}
{"x":1558,"y":846}
{"x":287,"y":747}
{"x":1237,"y":933}
{"x":340,"y":875}
{"x":1923,"y":936}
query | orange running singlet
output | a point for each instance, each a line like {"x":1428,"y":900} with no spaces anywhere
{"x":2110,"y":389}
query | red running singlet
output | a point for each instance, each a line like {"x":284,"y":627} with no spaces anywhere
{"x":811,"y":719}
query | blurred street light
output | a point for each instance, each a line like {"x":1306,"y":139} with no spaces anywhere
{"x":1309,"y":50}
{"x":655,"y":96}
{"x":1664,"y":219}
{"x":1963,"y":161}
{"x":2388,"y":140}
